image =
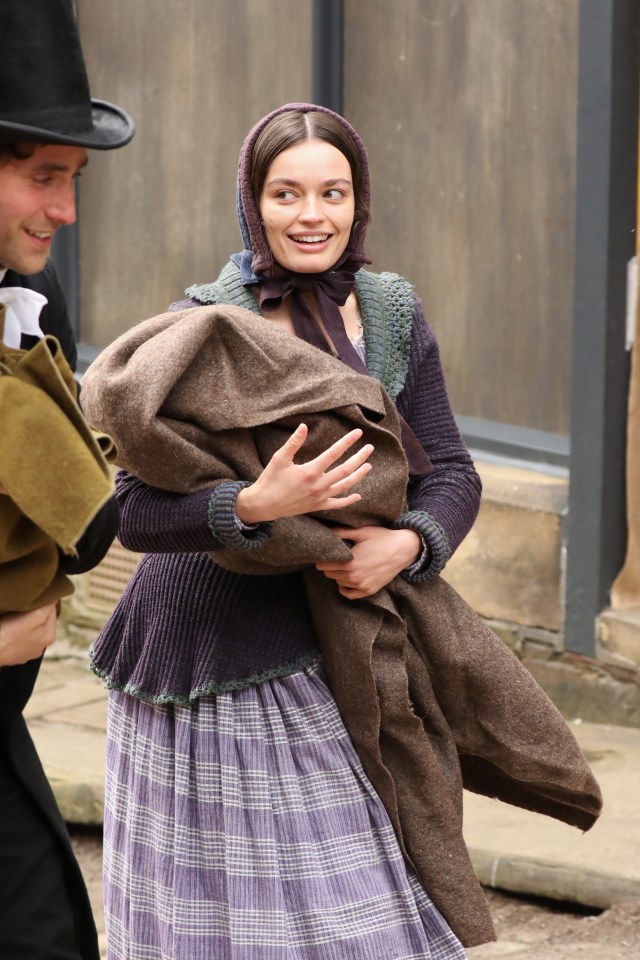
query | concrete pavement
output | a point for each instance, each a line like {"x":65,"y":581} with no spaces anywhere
{"x":511,"y":849}
{"x":66,"y":716}
{"x":523,"y":852}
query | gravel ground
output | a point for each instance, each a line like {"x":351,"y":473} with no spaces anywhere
{"x":526,"y":928}
{"x":547,"y":930}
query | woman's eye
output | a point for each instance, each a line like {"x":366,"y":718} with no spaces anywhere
{"x":334,"y":194}
{"x":284,"y":195}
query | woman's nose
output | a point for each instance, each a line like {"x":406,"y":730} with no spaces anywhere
{"x":311,"y":212}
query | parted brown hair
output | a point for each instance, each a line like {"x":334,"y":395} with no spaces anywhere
{"x":295,"y":126}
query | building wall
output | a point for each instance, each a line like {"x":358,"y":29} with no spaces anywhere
{"x":468,"y":110}
{"x":469,"y":113}
{"x":159,"y":214}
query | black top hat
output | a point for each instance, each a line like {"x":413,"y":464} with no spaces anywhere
{"x":44,"y":91}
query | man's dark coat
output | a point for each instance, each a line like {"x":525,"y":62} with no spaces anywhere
{"x":18,"y":756}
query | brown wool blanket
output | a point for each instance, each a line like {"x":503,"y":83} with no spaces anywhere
{"x":431,"y":698}
{"x":54,"y":469}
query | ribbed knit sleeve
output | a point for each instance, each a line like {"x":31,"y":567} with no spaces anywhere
{"x":155,"y":521}
{"x":443,"y":506}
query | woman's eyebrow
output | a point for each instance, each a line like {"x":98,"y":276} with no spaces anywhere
{"x":287,"y":182}
{"x":283,"y":181}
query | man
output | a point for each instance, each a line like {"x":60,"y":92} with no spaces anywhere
{"x":48,"y":121}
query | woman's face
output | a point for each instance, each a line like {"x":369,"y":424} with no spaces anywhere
{"x":307,"y":206}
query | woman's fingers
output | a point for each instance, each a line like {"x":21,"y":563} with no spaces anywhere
{"x":347,"y":474}
{"x":294,"y":443}
{"x":349,"y":481}
{"x":353,"y":463}
{"x":324,"y":460}
{"x":286,"y":489}
{"x":353,"y":594}
{"x":327,"y":483}
{"x":339,"y":503}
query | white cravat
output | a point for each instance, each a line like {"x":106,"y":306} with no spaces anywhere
{"x":22,"y":313}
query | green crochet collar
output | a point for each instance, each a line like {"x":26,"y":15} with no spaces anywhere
{"x":387,"y":306}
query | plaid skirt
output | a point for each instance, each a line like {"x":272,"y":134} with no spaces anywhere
{"x":243,"y":827}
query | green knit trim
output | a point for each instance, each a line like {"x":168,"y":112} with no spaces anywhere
{"x":434,"y":534}
{"x":387,"y":304}
{"x":228,"y":288}
{"x":223,"y":522}
{"x":208,"y":689}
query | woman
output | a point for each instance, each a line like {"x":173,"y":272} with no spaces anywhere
{"x":238,"y":819}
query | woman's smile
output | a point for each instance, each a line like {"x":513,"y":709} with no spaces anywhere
{"x":314,"y":238}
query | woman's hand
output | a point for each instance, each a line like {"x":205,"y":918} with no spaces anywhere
{"x":24,"y":636}
{"x":379,"y":555}
{"x":287,"y":489}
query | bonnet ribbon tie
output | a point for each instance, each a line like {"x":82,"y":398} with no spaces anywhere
{"x":331,"y":290}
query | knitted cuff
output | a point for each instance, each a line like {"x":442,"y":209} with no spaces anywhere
{"x":432,"y":534}
{"x":417,"y":565}
{"x":224,"y":523}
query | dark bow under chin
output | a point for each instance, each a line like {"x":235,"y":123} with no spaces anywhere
{"x":331,"y":291}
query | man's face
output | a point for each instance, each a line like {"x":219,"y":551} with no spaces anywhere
{"x":36,"y":197}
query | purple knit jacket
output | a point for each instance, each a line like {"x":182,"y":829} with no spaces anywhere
{"x":185,"y":626}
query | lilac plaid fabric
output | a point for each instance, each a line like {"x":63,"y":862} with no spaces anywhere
{"x":244,"y":828}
